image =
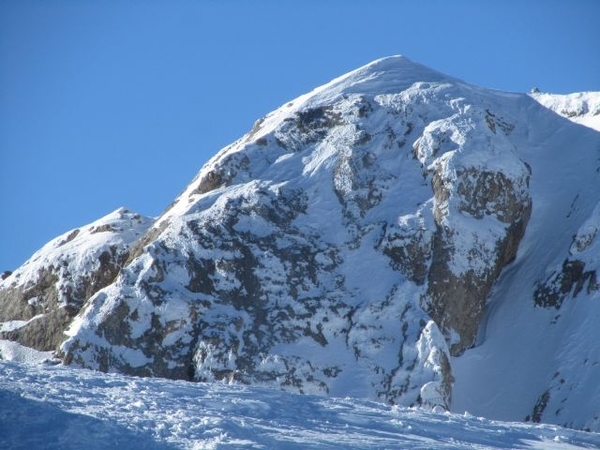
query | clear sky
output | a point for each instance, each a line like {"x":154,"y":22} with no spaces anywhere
{"x":119,"y":103}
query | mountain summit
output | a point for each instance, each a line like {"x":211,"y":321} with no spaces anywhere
{"x":395,"y":234}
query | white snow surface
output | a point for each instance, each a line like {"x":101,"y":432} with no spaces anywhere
{"x":580,"y":107}
{"x":13,"y":351}
{"x":55,"y":407}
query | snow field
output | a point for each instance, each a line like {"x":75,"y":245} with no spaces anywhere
{"x":57,"y":407}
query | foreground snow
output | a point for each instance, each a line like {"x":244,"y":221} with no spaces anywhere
{"x":46,"y":406}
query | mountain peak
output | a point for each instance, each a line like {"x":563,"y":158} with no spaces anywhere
{"x":393,"y":72}
{"x":386,"y":75}
{"x":351,"y":244}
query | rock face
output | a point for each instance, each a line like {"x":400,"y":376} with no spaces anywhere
{"x":347,"y":245}
{"x":42,"y":297}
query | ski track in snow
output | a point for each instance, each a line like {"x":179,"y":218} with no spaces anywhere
{"x":55,"y":407}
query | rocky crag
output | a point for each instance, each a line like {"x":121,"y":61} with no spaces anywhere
{"x":352,"y":243}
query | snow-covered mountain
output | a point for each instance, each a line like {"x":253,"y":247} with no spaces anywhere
{"x":396,"y":234}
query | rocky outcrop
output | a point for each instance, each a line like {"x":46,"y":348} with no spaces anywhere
{"x":46,"y":293}
{"x":578,"y":271}
{"x":457,"y":291}
{"x":478,"y":216}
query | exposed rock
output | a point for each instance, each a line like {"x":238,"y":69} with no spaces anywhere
{"x":50,"y":289}
{"x":578,"y":272}
{"x":462,"y":272}
{"x":538,"y":409}
{"x":44,"y":332}
{"x":570,"y":280}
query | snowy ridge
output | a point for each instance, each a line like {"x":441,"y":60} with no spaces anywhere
{"x":580,"y":107}
{"x":78,"y":251}
{"x":41,"y":297}
{"x":84,"y":409}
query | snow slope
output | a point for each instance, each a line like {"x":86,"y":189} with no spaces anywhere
{"x":538,"y":339}
{"x":580,"y":107}
{"x":54,"y":407}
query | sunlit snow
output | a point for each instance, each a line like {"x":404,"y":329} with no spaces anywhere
{"x":54,"y":407}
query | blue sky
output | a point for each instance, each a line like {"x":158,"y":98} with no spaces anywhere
{"x":119,"y":103}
